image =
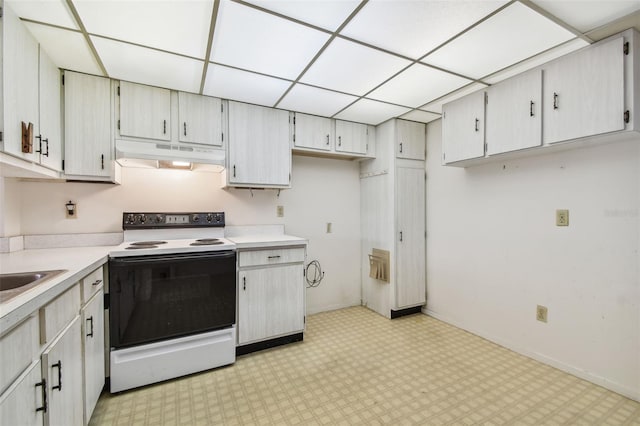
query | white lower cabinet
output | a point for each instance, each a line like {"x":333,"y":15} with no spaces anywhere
{"x":93,"y":352}
{"x":61,"y":367}
{"x":23,"y":403}
{"x":270,"y":294}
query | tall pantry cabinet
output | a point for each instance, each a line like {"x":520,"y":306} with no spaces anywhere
{"x":392,"y":196}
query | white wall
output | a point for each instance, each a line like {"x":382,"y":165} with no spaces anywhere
{"x":9,"y":207}
{"x":494,"y":253}
{"x":323,"y":190}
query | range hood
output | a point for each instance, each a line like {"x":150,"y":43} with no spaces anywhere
{"x":152,"y":153}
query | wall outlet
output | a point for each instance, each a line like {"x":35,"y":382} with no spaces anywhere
{"x":328,"y":227}
{"x":280,"y":211}
{"x":541,"y":313}
{"x":562,"y":217}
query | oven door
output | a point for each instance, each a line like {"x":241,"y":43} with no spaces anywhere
{"x":159,"y":297}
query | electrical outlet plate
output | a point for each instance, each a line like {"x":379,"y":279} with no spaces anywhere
{"x":562,"y":217}
{"x":280,"y":211}
{"x":541,"y":313}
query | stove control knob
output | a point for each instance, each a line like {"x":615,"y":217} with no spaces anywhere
{"x":209,"y":218}
{"x":143,"y":218}
{"x":130,"y":218}
{"x":195,"y":218}
{"x":158,"y":218}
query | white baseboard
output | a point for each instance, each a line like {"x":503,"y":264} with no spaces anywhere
{"x":334,"y":307}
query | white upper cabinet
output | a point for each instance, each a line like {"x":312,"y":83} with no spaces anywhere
{"x":463,"y":128}
{"x":584,"y":93}
{"x":514,"y":113}
{"x":49,"y":141}
{"x":410,"y":140}
{"x":258,"y":147}
{"x":200,"y":119}
{"x":145,"y":111}
{"x":87,"y":124}
{"x":352,"y":137}
{"x":312,"y":132}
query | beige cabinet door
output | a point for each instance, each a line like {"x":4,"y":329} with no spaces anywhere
{"x":50,"y":141}
{"x":145,"y":111}
{"x":200,"y":119}
{"x":312,"y":132}
{"x":410,"y":140}
{"x":351,"y":137}
{"x":463,"y":128}
{"x":93,"y":335}
{"x":23,"y":403}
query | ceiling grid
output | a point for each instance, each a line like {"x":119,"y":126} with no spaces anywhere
{"x":359,"y":60}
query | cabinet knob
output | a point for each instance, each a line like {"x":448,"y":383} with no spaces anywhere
{"x":164,"y":127}
{"x":477,"y":122}
{"x":400,"y":147}
{"x":244,"y":283}
{"x":327,"y":139}
{"x":185,"y":128}
{"x":531,"y":109}
{"x":339,"y":140}
{"x":90,"y":320}
{"x":555,"y":100}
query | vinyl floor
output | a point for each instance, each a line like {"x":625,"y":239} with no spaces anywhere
{"x":356,"y":367}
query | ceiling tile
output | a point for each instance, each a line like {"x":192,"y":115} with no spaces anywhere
{"x":585,"y":15}
{"x":515,"y":33}
{"x":421,"y":116}
{"x":175,"y":26}
{"x":49,"y":11}
{"x":436,"y":106}
{"x":371,"y":112}
{"x":352,"y":68}
{"x":327,"y":14}
{"x":229,"y":83}
{"x":257,"y":41}
{"x":142,"y":65}
{"x":417,"y":85}
{"x":540,"y":59}
{"x":67,"y":49}
{"x":414,"y":28}
{"x":315,"y":101}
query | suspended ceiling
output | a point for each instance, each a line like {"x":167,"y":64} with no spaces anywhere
{"x":364,"y":61}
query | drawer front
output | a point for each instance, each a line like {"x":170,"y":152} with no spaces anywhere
{"x":92,"y":283}
{"x":271,"y":256}
{"x":59,"y":313}
{"x":18,"y":349}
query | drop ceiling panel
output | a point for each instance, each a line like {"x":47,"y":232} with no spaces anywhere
{"x":324,"y":14}
{"x":436,"y":106}
{"x":421,"y":116}
{"x":142,"y":65}
{"x":315,"y":101}
{"x":515,"y":33}
{"x":50,"y":11}
{"x":352,"y":68}
{"x":537,"y":60}
{"x":417,"y":85}
{"x":67,"y":49}
{"x":175,"y":26}
{"x":414,"y":28}
{"x":230,"y":83}
{"x":256,"y":41}
{"x":585,"y":15}
{"x":371,"y":112}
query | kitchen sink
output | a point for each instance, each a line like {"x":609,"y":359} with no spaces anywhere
{"x":13,"y":284}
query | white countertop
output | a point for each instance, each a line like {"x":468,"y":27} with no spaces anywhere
{"x":266,"y":240}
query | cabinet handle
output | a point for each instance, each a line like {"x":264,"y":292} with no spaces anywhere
{"x":400,"y":147}
{"x":339,"y":140}
{"x":58,"y":365}
{"x":234,"y":170}
{"x":164,"y":127}
{"x":185,"y":128}
{"x":244,"y":283}
{"x":327,"y":140}
{"x":477,"y":122}
{"x":555,"y":100}
{"x":400,"y":236}
{"x":43,"y":384}
{"x":46,"y":141}
{"x":102,"y":161}
{"x":96,"y":282}
{"x":531,"y":109}
{"x":273,"y":257}
{"x":90,"y":319}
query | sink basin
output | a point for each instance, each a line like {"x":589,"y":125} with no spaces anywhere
{"x":13,"y":284}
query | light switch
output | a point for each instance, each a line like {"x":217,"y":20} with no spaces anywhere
{"x":562,"y":217}
{"x":280,"y":211}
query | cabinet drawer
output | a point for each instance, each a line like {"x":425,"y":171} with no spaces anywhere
{"x":271,"y":257}
{"x":57,"y":314}
{"x":17,"y":349}
{"x":91,"y":284}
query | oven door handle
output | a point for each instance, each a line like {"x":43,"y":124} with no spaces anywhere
{"x":226,"y":254}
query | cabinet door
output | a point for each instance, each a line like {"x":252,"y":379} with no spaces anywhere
{"x":87,"y":124}
{"x":463,"y":128}
{"x":22,"y":403}
{"x":410,"y":285}
{"x":20,"y":77}
{"x":50,"y":143}
{"x":410,"y":140}
{"x":145,"y":111}
{"x":259,"y":150}
{"x":200,"y":119}
{"x":62,"y":368}
{"x":514,"y":118}
{"x":312,"y":132}
{"x":93,"y":335}
{"x":584,"y":93}
{"x":351,"y":137}
{"x":270,"y":302}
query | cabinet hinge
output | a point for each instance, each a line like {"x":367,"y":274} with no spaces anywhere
{"x":627,"y":116}
{"x":62,"y":164}
{"x":118,"y":90}
{"x":444,"y":115}
{"x":223,"y":137}
{"x":0,"y":136}
{"x":63,"y":79}
{"x":1,"y":11}
{"x":221,"y":107}
{"x":106,"y":301}
{"x":366,"y":147}
{"x":294,"y":120}
{"x":289,"y":177}
{"x":294,"y":137}
{"x":625,"y":48}
{"x":118,"y":124}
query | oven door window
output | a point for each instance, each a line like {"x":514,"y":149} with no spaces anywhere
{"x":154,"y":298}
